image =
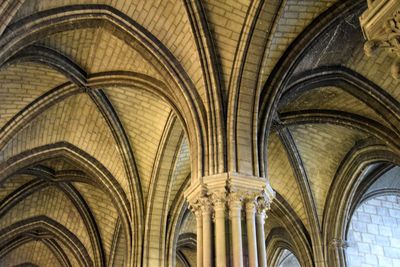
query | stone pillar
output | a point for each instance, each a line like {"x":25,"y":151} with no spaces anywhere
{"x":262,"y":254}
{"x":199,"y":236}
{"x":229,"y":191}
{"x":219,"y":201}
{"x":251,"y":232}
{"x":235,"y":212}
{"x":207,"y":232}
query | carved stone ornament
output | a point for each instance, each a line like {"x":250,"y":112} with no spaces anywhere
{"x":251,"y":206}
{"x":206,"y":204}
{"x":338,"y":243}
{"x":381,"y":27}
{"x":263,"y":205}
{"x":235,"y":199}
{"x":195,"y":207}
{"x":219,"y":199}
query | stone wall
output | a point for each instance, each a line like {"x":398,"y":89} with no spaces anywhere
{"x":288,"y":259}
{"x":374,"y":234}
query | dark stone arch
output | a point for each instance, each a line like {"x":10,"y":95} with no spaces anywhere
{"x":42,"y":227}
{"x":295,"y":232}
{"x":72,"y":17}
{"x":341,"y":118}
{"x":349,"y":81}
{"x":47,"y":56}
{"x":343,"y":191}
{"x":281,"y":74}
{"x":91,"y":166}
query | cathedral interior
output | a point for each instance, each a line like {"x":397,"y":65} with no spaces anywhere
{"x":200,"y":133}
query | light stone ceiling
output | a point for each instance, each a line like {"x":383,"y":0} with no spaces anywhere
{"x":100,"y":137}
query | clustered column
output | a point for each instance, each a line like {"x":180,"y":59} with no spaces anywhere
{"x":212,"y":246}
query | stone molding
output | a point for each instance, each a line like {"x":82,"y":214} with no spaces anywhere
{"x":223,"y":185}
{"x":233,"y":193}
{"x":380,"y":24}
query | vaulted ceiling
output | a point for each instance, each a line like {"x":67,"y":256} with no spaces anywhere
{"x":109,"y":107}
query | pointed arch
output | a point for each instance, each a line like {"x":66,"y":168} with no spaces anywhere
{"x":92,"y":167}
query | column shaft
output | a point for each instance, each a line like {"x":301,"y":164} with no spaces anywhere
{"x":199,"y":221}
{"x":237,"y":250}
{"x":207,"y":236}
{"x":251,"y":234}
{"x":220,"y":233}
{"x":262,"y":255}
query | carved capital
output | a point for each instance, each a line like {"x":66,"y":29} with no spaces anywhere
{"x":338,"y":243}
{"x":251,"y":206}
{"x":263,"y":205}
{"x":195,"y":207}
{"x":219,"y":199}
{"x":235,"y":199}
{"x":206,"y":204}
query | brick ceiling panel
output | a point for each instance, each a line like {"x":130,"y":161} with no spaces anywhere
{"x":104,"y":213}
{"x":53,"y":203}
{"x":281,"y":176}
{"x":342,"y":44}
{"x":181,"y":170}
{"x":98,"y":50}
{"x":165,"y":19}
{"x":22,"y":83}
{"x":332,"y":98}
{"x":322,"y":147}
{"x":13,"y":183}
{"x":58,"y":164}
{"x":77,"y":121}
{"x":241,"y":42}
{"x":294,"y":18}
{"x":78,"y":45}
{"x":34,"y":252}
{"x":144,"y":117}
{"x":375,"y":68}
{"x":225,"y":20}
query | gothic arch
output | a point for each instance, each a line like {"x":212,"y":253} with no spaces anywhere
{"x":94,"y":169}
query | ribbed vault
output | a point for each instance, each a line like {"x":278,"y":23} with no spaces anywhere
{"x":110,"y":109}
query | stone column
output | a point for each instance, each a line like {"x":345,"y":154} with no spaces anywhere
{"x":251,"y":232}
{"x":219,"y":201}
{"x":207,"y":232}
{"x":199,"y":236}
{"x":195,"y":207}
{"x":262,"y":254}
{"x":230,"y":191}
{"x":235,"y":209}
